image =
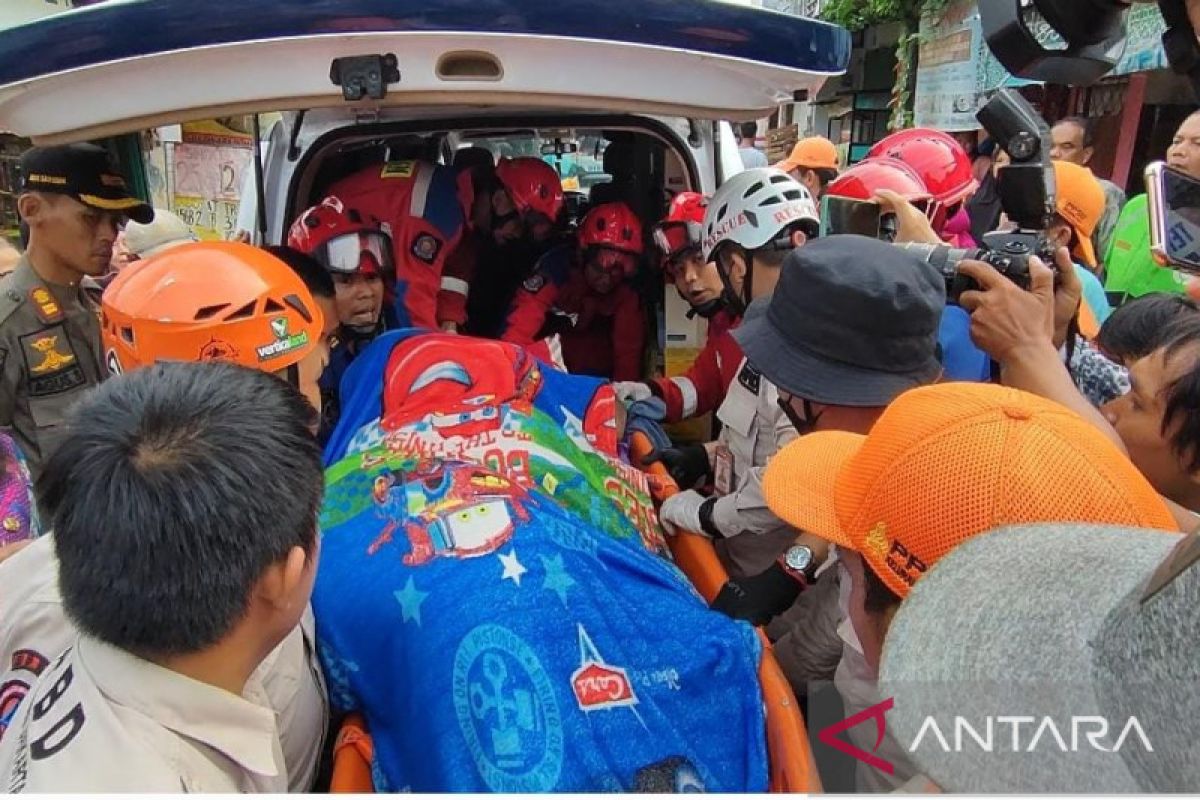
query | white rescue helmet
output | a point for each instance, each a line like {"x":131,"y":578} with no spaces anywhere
{"x":754,"y":207}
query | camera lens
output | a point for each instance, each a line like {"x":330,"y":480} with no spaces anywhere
{"x":1022,"y":146}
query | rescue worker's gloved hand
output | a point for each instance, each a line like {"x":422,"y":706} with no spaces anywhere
{"x":687,"y":465}
{"x":759,"y":598}
{"x":686,"y":511}
{"x":645,"y":417}
{"x":631,"y":391}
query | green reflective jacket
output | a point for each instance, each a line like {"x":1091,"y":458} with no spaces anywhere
{"x":1128,"y":264}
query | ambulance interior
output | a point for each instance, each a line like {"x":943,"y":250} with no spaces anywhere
{"x":636,"y":160}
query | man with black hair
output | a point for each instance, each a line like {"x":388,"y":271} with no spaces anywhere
{"x":184,"y":599}
{"x":1136,"y":329}
{"x":284,"y":337}
{"x":1155,"y":423}
{"x":746,"y":133}
{"x":1158,"y":421}
{"x":1074,"y":140}
{"x":72,"y":201}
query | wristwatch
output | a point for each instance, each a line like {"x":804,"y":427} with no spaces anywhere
{"x":800,"y":563}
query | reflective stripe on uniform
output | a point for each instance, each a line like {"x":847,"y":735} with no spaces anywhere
{"x":420,"y":192}
{"x":687,"y":390}
{"x":456,"y":285}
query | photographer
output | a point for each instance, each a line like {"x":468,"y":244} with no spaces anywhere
{"x":1097,"y":378}
{"x":1156,"y":424}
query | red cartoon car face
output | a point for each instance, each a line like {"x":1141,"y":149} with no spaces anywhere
{"x":477,"y":415}
{"x":439,"y":373}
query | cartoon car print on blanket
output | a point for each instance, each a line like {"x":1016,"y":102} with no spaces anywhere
{"x":448,"y":509}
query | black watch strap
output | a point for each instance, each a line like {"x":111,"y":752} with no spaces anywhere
{"x":706,"y":519}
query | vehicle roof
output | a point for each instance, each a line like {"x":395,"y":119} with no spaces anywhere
{"x":122,"y":29}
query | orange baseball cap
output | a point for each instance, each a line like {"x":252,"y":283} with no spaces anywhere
{"x":950,"y":461}
{"x":1081,"y":203}
{"x":815,"y":152}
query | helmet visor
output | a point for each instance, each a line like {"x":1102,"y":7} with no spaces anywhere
{"x":369,"y":252}
{"x":672,"y":238}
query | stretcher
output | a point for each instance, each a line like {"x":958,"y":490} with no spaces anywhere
{"x":792,"y":768}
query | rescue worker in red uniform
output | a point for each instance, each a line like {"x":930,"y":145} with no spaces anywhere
{"x":582,"y":293}
{"x":703,"y":386}
{"x":357,"y":254}
{"x":754,"y":220}
{"x":426,"y":209}
{"x":526,"y":191}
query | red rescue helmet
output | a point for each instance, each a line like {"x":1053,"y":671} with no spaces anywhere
{"x":861,"y":181}
{"x":682,"y":229}
{"x":940,"y":161}
{"x":532,"y":184}
{"x":612,"y":227}
{"x":341,"y":239}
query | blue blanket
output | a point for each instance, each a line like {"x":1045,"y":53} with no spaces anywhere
{"x":491,"y":598}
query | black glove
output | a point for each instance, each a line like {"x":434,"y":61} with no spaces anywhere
{"x":759,"y":598}
{"x":686,"y":465}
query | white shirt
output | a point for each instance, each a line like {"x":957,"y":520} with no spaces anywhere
{"x":102,"y":720}
{"x":752,"y":157}
{"x":753,"y":428}
{"x":34,"y":631}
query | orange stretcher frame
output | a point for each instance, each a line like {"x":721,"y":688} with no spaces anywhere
{"x":792,"y":768}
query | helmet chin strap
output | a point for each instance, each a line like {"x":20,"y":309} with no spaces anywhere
{"x":707,"y":310}
{"x":735,"y":303}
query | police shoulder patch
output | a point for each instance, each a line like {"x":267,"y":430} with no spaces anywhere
{"x":44,"y":305}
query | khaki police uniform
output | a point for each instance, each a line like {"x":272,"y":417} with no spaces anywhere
{"x":103,"y":720}
{"x":49,"y":355}
{"x":34,"y":631}
{"x":753,"y":428}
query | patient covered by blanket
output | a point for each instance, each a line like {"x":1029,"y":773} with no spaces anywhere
{"x":495,"y":595}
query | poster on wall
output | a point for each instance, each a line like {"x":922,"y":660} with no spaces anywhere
{"x":947,"y":93}
{"x":208,"y":167}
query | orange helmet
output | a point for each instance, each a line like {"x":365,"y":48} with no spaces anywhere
{"x":209,"y":301}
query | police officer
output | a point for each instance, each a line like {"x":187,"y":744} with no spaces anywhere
{"x":73,"y":201}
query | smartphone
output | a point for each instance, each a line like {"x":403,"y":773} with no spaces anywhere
{"x":1174,"y":200}
{"x":843,"y":215}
